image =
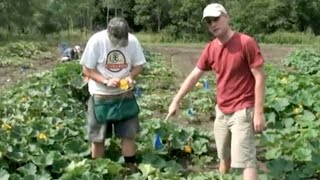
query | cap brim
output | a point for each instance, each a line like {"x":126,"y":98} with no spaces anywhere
{"x":119,"y":42}
{"x":123,"y":42}
{"x":212,"y":14}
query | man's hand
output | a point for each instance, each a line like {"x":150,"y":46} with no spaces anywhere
{"x":173,"y":109}
{"x":258,"y":122}
{"x":129,"y":80}
{"x":113,"y":82}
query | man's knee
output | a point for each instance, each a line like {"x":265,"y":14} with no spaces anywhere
{"x":128,"y":140}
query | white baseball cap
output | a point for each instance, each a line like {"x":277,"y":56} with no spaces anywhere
{"x":213,"y":10}
{"x":77,"y":47}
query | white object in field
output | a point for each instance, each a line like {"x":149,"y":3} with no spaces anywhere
{"x":78,"y":49}
{"x":63,"y":59}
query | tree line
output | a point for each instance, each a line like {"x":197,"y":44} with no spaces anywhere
{"x":175,"y":18}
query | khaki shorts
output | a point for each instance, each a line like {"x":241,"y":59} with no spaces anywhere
{"x":99,"y":132}
{"x":235,"y":138}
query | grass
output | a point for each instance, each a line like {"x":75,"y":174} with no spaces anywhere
{"x":287,"y":39}
{"x":71,"y":37}
{"x":279,"y":39}
{"x":174,"y":44}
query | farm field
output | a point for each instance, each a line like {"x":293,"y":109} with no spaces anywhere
{"x":43,"y":135}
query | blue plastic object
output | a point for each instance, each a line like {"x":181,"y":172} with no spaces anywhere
{"x":190,"y":112}
{"x":63,"y":46}
{"x":138,"y":91}
{"x":206,"y":84}
{"x":157,"y":142}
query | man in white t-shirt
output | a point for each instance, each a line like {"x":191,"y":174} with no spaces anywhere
{"x":111,"y":55}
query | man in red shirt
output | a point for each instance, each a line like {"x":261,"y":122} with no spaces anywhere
{"x":238,"y":64}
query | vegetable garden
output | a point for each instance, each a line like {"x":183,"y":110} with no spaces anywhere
{"x":43,"y":127}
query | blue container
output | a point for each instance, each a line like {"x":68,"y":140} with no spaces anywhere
{"x":63,"y":46}
{"x":138,"y":91}
{"x":158,"y":142}
{"x":190,"y":112}
{"x":206,"y":84}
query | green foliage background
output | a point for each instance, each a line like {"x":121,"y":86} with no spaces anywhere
{"x":174,"y":18}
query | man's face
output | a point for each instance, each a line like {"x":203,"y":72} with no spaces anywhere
{"x":218,"y":26}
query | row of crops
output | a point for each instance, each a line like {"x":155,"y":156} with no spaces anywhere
{"x":43,"y":129}
{"x":21,"y":54}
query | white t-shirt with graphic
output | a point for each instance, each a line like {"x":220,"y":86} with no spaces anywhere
{"x":109,"y":61}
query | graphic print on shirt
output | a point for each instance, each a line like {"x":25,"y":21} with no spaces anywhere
{"x":116,"y":61}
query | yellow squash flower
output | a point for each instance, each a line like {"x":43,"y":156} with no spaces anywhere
{"x":296,"y":111}
{"x":24,"y":99}
{"x":124,"y":85}
{"x":188,"y":149}
{"x":199,"y":85}
{"x":42,"y":136}
{"x":284,"y":80}
{"x":6,"y":127}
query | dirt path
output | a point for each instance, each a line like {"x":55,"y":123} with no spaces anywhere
{"x":183,"y":59}
{"x":12,"y":75}
{"x":9,"y":76}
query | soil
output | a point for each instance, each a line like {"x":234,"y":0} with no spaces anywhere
{"x":183,"y":59}
{"x":9,"y":76}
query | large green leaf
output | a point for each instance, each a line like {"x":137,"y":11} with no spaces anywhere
{"x":146,"y":169}
{"x":90,"y":176}
{"x":155,"y":160}
{"x":44,"y":159}
{"x":303,"y":154}
{"x":281,"y":104}
{"x":200,"y":146}
{"x":77,"y":146}
{"x":59,"y":165}
{"x":4,"y":175}
{"x":28,"y":169}
{"x":274,"y":153}
{"x":173,"y":167}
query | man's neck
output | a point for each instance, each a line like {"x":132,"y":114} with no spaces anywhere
{"x":228,"y":35}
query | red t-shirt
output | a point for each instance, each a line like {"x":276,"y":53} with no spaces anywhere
{"x":232,"y":62}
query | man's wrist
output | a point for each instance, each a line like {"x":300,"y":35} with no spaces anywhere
{"x":258,"y":112}
{"x":131,"y":76}
{"x":176,"y":100}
